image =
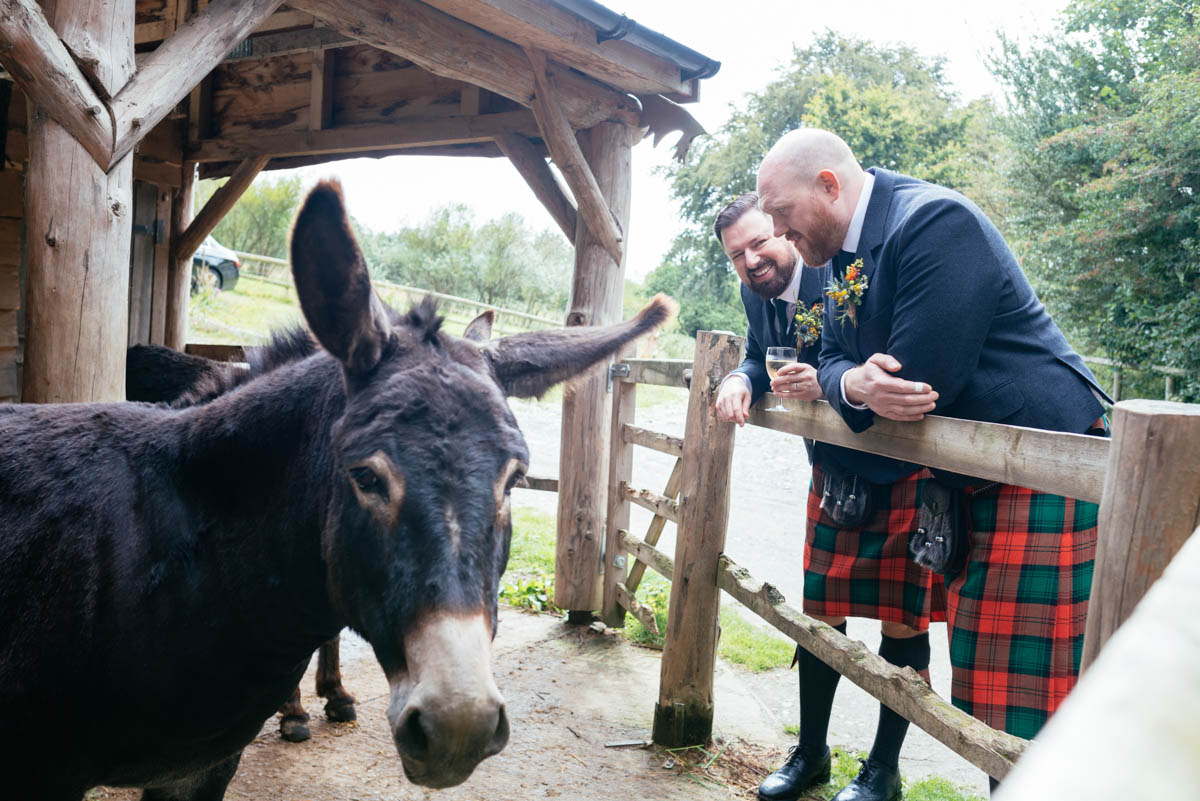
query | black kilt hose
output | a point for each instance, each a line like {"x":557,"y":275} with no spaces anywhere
{"x":867,"y":572}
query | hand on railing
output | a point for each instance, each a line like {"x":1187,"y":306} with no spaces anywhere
{"x":888,"y":395}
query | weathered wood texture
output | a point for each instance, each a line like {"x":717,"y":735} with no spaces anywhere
{"x":657,"y":524}
{"x":530,"y":162}
{"x":571,"y":40}
{"x":446,"y":46}
{"x":320,"y":104}
{"x":660,"y":372}
{"x":684,"y":713}
{"x":648,"y":555}
{"x":620,"y":472}
{"x":11,"y":194}
{"x":41,"y":64}
{"x":78,"y":261}
{"x":219,"y":205}
{"x":218,"y":353}
{"x":1050,"y":461}
{"x":1129,"y":728}
{"x":179,"y":277}
{"x":540,"y":483}
{"x":902,"y":689}
{"x":654,"y":440}
{"x":162,"y":266}
{"x":661,"y":505}
{"x":1151,"y":505}
{"x":564,"y":148}
{"x":624,"y":600}
{"x":141,"y":263}
{"x":596,"y":293}
{"x":169,"y":73}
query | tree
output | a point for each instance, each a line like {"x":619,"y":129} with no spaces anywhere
{"x":261,"y":219}
{"x":1105,"y":175}
{"x":892,"y":105}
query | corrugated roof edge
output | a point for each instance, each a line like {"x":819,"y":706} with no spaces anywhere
{"x":611,"y":25}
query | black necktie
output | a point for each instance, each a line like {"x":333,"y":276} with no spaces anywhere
{"x":841,"y":261}
{"x":781,"y":319}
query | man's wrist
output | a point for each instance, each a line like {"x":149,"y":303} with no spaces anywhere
{"x":741,"y":375}
{"x":846,"y":397}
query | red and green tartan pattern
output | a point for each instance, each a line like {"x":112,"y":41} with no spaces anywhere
{"x":1018,"y":610}
{"x":867,"y":572}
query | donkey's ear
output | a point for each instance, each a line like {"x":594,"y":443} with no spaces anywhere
{"x":332,"y":281}
{"x":526,"y":365}
{"x":480,"y":329}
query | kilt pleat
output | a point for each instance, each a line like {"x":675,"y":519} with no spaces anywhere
{"x":866,"y":572}
{"x":1018,"y":610}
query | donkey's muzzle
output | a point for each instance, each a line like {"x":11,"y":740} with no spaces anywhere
{"x":446,"y":712}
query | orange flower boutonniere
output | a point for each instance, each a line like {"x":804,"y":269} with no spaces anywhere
{"x":847,"y":292}
{"x":808,"y":324}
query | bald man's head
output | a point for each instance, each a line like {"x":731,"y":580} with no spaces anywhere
{"x":809,"y":183}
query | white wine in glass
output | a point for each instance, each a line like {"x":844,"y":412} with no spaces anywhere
{"x":777,"y":358}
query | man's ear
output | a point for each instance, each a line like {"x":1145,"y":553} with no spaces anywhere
{"x":828,"y":185}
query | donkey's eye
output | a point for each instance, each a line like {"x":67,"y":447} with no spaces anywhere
{"x":517,"y":477}
{"x":366,"y":479}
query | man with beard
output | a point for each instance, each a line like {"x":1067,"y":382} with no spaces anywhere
{"x":855,"y":560}
{"x":931,"y":312}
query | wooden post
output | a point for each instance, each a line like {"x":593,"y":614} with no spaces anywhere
{"x":596,"y":293}
{"x":1116,"y":378}
{"x":80,"y":222}
{"x":684,"y":713}
{"x":179,"y":281}
{"x":620,"y":468}
{"x":1150,"y":506}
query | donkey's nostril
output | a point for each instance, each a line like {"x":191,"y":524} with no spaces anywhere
{"x":499,"y":736}
{"x":411,"y":739}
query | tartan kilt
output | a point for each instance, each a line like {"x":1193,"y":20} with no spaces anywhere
{"x":867,"y":572}
{"x":1018,"y":610}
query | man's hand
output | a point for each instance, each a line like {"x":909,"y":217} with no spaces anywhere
{"x":887,"y":395}
{"x":797,"y":380}
{"x":733,"y":400}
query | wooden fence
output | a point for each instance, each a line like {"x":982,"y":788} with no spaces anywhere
{"x":1146,"y":479}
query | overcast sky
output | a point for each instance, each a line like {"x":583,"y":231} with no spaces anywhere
{"x":752,"y":39}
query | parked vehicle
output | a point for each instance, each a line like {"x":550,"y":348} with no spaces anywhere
{"x":213,"y":261}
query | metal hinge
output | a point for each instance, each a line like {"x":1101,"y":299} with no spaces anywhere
{"x":618,"y":370}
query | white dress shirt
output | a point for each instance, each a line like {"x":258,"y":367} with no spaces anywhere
{"x":853,"y":233}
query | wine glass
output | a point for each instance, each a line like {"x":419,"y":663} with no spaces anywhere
{"x":776,"y":359}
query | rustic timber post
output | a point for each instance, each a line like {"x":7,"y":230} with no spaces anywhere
{"x":179,"y":281}
{"x":80,"y":222}
{"x":596,"y":294}
{"x":1150,"y":506}
{"x":620,"y":469}
{"x":684,"y":713}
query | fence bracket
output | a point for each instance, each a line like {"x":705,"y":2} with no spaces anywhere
{"x":618,"y":370}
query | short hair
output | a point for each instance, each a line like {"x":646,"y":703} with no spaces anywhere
{"x":733,"y":212}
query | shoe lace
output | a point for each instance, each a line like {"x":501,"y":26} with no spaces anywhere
{"x":867,"y":769}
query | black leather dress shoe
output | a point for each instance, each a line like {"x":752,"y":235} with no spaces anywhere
{"x":803,"y":769}
{"x":874,"y":782}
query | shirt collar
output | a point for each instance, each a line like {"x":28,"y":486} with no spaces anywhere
{"x":854,"y":232}
{"x":792,"y":290}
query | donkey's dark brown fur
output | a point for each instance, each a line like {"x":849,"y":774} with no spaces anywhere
{"x":154,"y":560}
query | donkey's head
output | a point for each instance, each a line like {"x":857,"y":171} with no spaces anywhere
{"x":426,"y":452}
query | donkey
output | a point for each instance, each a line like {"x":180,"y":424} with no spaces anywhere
{"x":176,"y":568}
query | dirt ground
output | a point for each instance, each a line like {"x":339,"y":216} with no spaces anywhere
{"x":570,"y":690}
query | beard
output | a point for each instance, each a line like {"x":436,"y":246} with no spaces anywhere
{"x":775,"y":282}
{"x":823,"y":240}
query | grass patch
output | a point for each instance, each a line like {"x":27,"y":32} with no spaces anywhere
{"x":751,"y":646}
{"x":846,"y":766}
{"x":528,"y":582}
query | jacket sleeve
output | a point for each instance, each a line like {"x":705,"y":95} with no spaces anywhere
{"x":754,"y":365}
{"x":833,"y":362}
{"x":949,"y":278}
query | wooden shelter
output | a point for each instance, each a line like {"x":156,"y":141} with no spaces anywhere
{"x":110,"y":108}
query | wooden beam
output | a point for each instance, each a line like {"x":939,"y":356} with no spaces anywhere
{"x":647,"y":556}
{"x":289,"y":42}
{"x":661,"y":505}
{"x":179,"y":280}
{"x":446,"y":46}
{"x":169,"y":73}
{"x":77,"y":293}
{"x":219,"y":205}
{"x":657,"y":524}
{"x":1072,"y":465}
{"x":91,"y":36}
{"x":655,"y":440}
{"x":45,"y":71}
{"x":620,"y":473}
{"x":660,"y":372}
{"x":564,"y":149}
{"x":902,"y":689}
{"x":683,"y":715}
{"x":626,"y":600}
{"x":571,"y":40}
{"x":1150,"y":506}
{"x":412,"y":132}
{"x":221,"y":169}
{"x":532,"y":166}
{"x":320,"y":105}
{"x":469,"y":100}
{"x":162,"y":264}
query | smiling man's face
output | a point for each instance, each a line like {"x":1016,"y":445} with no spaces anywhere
{"x":764,"y":262}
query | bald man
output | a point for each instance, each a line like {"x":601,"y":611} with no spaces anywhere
{"x":948,"y":323}
{"x":852,"y":568}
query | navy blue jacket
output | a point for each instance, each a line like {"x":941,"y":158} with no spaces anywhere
{"x":948,"y":300}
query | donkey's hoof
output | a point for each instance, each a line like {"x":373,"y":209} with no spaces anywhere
{"x":294,"y":728}
{"x":341,"y":712}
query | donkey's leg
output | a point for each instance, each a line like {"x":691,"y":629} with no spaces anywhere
{"x":207,"y":785}
{"x":293,"y":726}
{"x":339,"y":704}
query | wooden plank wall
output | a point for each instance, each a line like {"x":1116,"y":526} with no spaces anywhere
{"x":12,"y":185}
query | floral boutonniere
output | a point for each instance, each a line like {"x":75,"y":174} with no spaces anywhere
{"x":847,"y":292}
{"x":808,"y":324}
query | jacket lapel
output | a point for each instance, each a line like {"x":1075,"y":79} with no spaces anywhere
{"x":869,"y":243}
